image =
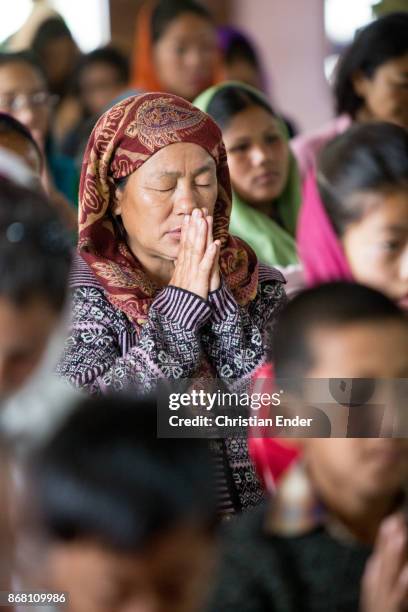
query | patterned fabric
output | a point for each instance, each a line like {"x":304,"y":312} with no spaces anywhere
{"x":122,"y":140}
{"x":184,"y":335}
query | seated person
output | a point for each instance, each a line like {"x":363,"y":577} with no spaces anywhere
{"x":310,"y":547}
{"x":161,"y":290}
{"x":127,"y":519}
{"x":35,"y":259}
{"x":370,"y":85}
{"x":263,"y":171}
{"x":25,"y":96}
{"x":100,"y":77}
{"x":353,"y":224}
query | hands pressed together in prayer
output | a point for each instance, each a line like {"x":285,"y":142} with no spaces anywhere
{"x":197,"y":265}
{"x":385,"y":581}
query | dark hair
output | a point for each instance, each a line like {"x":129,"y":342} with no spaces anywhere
{"x":35,"y":251}
{"x":23,"y":57}
{"x":333,"y":304}
{"x":107,"y":477}
{"x":231,"y":100}
{"x":367,"y":157}
{"x":106,"y":55}
{"x":50,"y":29}
{"x":167,"y":10}
{"x":236,"y":46}
{"x":10,"y":125}
{"x":381,"y":41}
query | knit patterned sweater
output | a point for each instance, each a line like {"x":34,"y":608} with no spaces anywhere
{"x":183,"y":337}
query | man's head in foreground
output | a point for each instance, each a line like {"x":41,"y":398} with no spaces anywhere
{"x":127,"y":518}
{"x":35,"y":258}
{"x":344,"y":330}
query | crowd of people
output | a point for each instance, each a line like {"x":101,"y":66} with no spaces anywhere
{"x":163,"y":223}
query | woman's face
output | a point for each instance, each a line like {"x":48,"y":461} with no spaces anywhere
{"x":385,"y":94}
{"x":377,"y":246}
{"x":23,"y":94}
{"x":258,"y":156}
{"x":171,"y":184}
{"x":185,"y":56}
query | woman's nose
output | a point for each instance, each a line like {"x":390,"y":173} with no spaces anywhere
{"x":404,"y":264}
{"x":259,"y":154}
{"x":185,"y":201}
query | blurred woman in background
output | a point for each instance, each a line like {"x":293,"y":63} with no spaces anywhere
{"x":100,"y":77}
{"x":176,"y":48}
{"x":24,"y":95}
{"x":242,"y":62}
{"x":264,"y":177}
{"x":371,"y":84}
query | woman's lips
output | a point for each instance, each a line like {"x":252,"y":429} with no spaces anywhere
{"x":176,"y":233}
{"x":266,"y":178}
{"x":403,"y":302}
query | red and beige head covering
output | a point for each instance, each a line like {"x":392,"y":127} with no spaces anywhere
{"x":122,"y":140}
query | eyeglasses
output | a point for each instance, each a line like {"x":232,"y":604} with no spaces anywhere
{"x":13,"y":103}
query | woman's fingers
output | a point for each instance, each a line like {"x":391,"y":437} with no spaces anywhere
{"x":207,"y":262}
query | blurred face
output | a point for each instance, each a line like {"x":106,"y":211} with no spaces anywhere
{"x":23,"y":95}
{"x":258,"y":156}
{"x":244,"y":71}
{"x":170,"y":576}
{"x":169,"y":185}
{"x":17,"y":144}
{"x":377,"y":246}
{"x":362,"y":468}
{"x":99,"y":84}
{"x":185,"y":56}
{"x":385,"y":94}
{"x":24,"y":334}
{"x":58,"y":72}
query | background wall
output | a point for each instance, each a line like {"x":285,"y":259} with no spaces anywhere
{"x":290,"y":37}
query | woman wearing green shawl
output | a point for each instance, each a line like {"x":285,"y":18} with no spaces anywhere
{"x":263,"y":171}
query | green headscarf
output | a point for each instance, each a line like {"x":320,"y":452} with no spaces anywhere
{"x":272,"y":243}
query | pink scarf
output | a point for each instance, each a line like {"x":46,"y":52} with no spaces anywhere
{"x":320,"y":250}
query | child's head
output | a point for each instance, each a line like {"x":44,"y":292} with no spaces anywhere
{"x":35,"y":257}
{"x":342,"y":330}
{"x":363,"y":183}
{"x":128,"y":518}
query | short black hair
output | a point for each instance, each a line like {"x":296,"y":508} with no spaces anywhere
{"x":367,"y":157}
{"x":332,"y":304}
{"x":105,"y":476}
{"x":35,"y":248}
{"x":381,"y":41}
{"x":166,"y":11}
{"x":50,"y":29}
{"x":238,"y":47}
{"x":24,"y":57}
{"x":233,"y":99}
{"x":9,"y":124}
{"x":106,"y":55}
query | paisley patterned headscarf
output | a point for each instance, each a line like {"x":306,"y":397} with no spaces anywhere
{"x":123,"y":139}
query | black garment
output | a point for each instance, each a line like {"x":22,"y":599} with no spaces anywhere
{"x":260,"y":572}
